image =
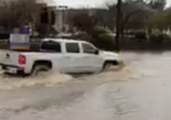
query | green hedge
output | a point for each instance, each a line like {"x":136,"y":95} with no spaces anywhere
{"x":102,"y":39}
{"x":4,"y":44}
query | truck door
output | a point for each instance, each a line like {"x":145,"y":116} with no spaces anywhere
{"x":72,"y":57}
{"x":91,"y":59}
{"x":55,"y":53}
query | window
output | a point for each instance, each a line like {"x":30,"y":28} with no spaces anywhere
{"x":51,"y":46}
{"x":72,"y":47}
{"x":87,"y":48}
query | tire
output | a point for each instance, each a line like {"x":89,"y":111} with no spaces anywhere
{"x":107,"y":66}
{"x":37,"y":69}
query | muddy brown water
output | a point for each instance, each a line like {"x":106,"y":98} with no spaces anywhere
{"x":140,"y":91}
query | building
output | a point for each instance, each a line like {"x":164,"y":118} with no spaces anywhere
{"x":64,"y":16}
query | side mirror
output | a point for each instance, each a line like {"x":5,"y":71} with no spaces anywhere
{"x":97,"y":52}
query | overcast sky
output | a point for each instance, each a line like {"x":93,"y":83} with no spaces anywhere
{"x":78,"y":3}
{"x":85,"y":3}
{"x":82,"y":3}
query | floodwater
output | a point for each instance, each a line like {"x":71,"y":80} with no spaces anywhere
{"x":140,"y":91}
{"x":8,"y":82}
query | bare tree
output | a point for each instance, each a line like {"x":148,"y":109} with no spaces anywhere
{"x":157,"y":4}
{"x":85,"y":22}
{"x":18,"y":12}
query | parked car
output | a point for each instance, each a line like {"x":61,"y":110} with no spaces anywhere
{"x":68,"y":56}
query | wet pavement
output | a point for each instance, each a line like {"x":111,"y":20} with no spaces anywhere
{"x":140,"y":91}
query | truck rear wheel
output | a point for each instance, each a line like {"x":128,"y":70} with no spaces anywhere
{"x":37,"y":69}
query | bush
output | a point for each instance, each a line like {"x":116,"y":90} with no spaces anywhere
{"x":4,"y":44}
{"x":102,"y":39}
{"x":141,"y":35}
{"x":98,"y":32}
{"x":157,"y":38}
{"x":99,"y":37}
{"x":106,"y":41}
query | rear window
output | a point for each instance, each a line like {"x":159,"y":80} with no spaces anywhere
{"x":72,"y":47}
{"x":51,"y":46}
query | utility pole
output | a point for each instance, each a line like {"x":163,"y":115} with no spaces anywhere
{"x":63,"y":10}
{"x":49,"y":20}
{"x":118,"y":25}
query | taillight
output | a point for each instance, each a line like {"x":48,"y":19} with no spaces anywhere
{"x":21,"y":59}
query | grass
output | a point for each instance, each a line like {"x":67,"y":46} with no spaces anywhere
{"x":4,"y":44}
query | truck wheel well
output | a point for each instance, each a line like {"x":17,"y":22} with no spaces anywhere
{"x":43,"y":62}
{"x":114,"y":62}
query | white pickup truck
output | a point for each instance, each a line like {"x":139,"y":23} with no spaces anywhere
{"x":68,"y":56}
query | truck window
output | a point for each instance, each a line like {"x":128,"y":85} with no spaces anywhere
{"x":72,"y":47}
{"x":87,"y":48}
{"x":51,"y":46}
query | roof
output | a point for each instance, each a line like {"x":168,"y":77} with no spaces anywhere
{"x":63,"y":40}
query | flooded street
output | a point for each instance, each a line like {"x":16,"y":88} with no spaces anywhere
{"x":140,"y":91}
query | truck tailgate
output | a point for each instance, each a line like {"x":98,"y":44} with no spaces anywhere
{"x":9,"y":57}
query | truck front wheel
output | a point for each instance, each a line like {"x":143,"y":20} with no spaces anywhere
{"x":108,"y":64}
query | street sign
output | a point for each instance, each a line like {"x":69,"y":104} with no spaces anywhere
{"x":19,"y":42}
